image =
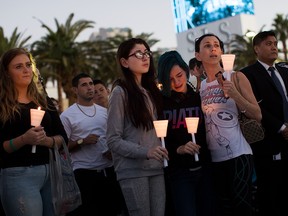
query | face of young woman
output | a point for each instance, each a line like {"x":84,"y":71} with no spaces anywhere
{"x":20,"y":70}
{"x":101,"y":94}
{"x":210,"y":50}
{"x":178,"y":79}
{"x":138,"y":61}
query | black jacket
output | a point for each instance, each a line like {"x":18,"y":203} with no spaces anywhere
{"x":176,"y":108}
{"x":270,"y":102}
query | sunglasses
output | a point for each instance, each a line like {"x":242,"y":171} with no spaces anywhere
{"x":140,"y":55}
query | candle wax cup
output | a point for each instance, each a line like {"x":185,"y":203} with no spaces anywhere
{"x":161,"y":127}
{"x":228,"y":61}
{"x":36,"y":116}
{"x":192,"y":124}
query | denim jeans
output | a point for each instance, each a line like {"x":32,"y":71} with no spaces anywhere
{"x":184,"y":184}
{"x":1,"y":208}
{"x":26,"y":191}
{"x":192,"y":192}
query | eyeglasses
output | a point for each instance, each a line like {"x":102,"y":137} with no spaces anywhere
{"x":140,"y":55}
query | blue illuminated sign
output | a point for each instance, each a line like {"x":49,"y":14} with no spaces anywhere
{"x":192,"y":13}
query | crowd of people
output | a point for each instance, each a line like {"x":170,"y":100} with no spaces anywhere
{"x":117,"y":157}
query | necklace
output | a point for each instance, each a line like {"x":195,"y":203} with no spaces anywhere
{"x":85,"y":113}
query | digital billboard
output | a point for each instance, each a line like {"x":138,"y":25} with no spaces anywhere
{"x":193,"y":13}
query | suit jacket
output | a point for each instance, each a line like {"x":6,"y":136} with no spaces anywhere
{"x":271,"y":104}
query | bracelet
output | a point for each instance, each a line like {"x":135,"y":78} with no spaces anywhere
{"x":12,"y":146}
{"x":53,"y":143}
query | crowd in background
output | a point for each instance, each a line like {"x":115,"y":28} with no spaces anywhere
{"x":117,"y":157}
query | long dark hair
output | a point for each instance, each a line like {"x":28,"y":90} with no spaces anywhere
{"x":136,"y":107}
{"x":165,"y":65}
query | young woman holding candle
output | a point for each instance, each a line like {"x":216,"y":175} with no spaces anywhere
{"x":189,"y":189}
{"x":136,"y":150}
{"x":231,"y":154}
{"x":25,"y":188}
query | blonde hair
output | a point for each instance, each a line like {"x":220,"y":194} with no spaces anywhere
{"x":9,"y":105}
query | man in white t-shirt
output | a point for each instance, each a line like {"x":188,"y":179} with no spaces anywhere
{"x":85,"y":123}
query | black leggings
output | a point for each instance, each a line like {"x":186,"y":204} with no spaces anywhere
{"x":233,"y":183}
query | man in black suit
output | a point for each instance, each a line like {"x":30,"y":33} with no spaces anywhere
{"x":271,"y":154}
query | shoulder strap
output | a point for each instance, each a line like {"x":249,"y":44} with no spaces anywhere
{"x":236,"y":81}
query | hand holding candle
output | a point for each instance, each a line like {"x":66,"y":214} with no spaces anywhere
{"x":161,"y":130}
{"x":192,"y":125}
{"x":36,"y":116}
{"x":228,"y":64}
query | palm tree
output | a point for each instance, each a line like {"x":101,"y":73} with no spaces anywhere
{"x":242,"y":47}
{"x":59,"y":57}
{"x":281,"y":29}
{"x":14,"y":41}
{"x":60,"y":54}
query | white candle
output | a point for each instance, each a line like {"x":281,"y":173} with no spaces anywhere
{"x":36,"y":116}
{"x":192,"y":125}
{"x":228,"y":64}
{"x":161,"y":131}
{"x":163,"y":145}
{"x":194,"y":141}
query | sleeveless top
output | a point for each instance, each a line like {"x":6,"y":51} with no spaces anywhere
{"x":224,"y":136}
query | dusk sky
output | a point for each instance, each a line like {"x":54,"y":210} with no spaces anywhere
{"x":149,"y":16}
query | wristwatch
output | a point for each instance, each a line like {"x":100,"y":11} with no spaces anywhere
{"x":79,"y":142}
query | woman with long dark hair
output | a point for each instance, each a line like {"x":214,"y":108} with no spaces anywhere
{"x":136,"y":150}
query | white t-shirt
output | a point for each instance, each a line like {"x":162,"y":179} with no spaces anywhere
{"x":78,"y":126}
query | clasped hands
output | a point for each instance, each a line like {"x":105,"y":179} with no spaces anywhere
{"x":35,"y":136}
{"x":189,"y":148}
{"x":229,"y":89}
{"x":91,"y":139}
{"x":158,"y":153}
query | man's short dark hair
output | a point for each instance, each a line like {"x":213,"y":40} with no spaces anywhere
{"x":76,"y":79}
{"x":194,"y":62}
{"x":261,"y":36}
{"x":98,"y":81}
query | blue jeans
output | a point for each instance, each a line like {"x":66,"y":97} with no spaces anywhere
{"x":184,"y":186}
{"x":26,"y":191}
{"x":192,"y":192}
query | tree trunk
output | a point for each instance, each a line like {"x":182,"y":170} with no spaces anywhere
{"x":59,"y":91}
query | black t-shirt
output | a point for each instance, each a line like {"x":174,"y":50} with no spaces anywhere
{"x":14,"y":128}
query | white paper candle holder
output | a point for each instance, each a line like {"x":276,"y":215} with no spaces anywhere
{"x":228,"y":64}
{"x":36,"y":116}
{"x":161,"y":131}
{"x":192,"y":126}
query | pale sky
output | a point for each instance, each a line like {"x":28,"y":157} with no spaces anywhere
{"x":148,"y":16}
